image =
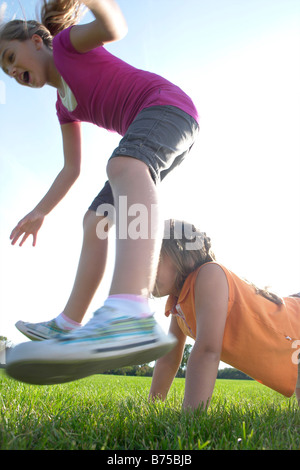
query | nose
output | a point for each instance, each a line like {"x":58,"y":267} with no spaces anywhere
{"x":12,"y":71}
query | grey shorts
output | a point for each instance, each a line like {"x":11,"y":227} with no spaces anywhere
{"x":161,"y":137}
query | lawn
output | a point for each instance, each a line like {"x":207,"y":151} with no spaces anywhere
{"x":107,"y":412}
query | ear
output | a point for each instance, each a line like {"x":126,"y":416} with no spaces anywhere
{"x":37,"y":41}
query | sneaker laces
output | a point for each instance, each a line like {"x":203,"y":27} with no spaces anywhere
{"x":104,"y":319}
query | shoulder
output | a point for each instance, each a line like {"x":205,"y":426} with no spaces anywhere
{"x":211,"y":306}
{"x":62,"y":42}
{"x":211,"y":283}
{"x":62,"y":37}
{"x":210,"y":273}
{"x":205,"y":277}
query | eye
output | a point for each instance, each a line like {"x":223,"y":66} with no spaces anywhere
{"x":8,"y":58}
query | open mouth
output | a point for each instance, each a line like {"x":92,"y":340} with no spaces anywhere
{"x":26,"y":78}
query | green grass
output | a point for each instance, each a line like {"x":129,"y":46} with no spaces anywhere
{"x":113,"y":413}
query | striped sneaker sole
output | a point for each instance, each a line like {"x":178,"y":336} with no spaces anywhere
{"x":42,"y":370}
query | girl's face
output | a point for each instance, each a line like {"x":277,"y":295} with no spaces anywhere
{"x":165,"y":278}
{"x":25,"y":61}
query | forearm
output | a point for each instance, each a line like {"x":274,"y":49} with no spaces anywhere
{"x":163,"y":376}
{"x":201,"y":374}
{"x":61,"y":185}
{"x":109,"y":17}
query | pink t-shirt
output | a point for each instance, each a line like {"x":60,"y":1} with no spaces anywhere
{"x":109,"y":92}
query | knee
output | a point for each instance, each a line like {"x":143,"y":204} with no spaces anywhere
{"x":88,"y":219}
{"x":89,"y":223}
{"x":92,"y":222}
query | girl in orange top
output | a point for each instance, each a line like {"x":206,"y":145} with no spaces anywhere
{"x":229,"y":319}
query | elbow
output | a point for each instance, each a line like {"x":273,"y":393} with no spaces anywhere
{"x":74,"y":170}
{"x":117,"y":29}
{"x":117,"y":34}
{"x":122,"y":31}
{"x":212,"y":356}
{"x":76,"y":174}
{"x":120,"y":26}
{"x":125,"y":31}
{"x":207,"y":353}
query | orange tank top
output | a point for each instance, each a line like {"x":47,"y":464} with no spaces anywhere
{"x":259,"y":335}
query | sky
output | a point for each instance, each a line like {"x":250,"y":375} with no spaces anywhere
{"x":239,"y":60}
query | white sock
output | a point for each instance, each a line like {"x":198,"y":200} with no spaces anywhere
{"x":65,"y":323}
{"x":126,"y":304}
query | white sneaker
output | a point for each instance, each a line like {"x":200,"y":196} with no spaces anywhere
{"x":92,"y":349}
{"x":40,"y":331}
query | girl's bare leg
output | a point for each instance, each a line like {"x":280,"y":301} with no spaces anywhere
{"x":90,"y":270}
{"x":108,"y":341}
{"x":136,"y":259}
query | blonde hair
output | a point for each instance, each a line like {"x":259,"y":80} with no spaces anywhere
{"x":189,"y":248}
{"x":55,"y":16}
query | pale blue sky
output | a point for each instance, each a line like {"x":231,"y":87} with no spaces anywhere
{"x":240,"y":62}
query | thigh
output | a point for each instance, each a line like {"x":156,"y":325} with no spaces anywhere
{"x":161,"y":137}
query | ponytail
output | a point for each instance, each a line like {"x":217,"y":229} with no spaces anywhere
{"x":57,"y":15}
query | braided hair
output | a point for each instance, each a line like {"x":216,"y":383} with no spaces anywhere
{"x":188,"y":248}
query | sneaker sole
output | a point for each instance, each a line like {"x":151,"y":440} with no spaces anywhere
{"x":42,"y":371}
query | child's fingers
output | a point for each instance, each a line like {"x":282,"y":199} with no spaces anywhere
{"x":17,"y":233}
{"x":13,"y":233}
{"x":26,"y":235}
{"x":27,"y":226}
{"x":34,"y":238}
{"x":16,"y":230}
{"x":15,"y":236}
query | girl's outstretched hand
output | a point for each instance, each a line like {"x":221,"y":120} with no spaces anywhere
{"x":29,"y":225}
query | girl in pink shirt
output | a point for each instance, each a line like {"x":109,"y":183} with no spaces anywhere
{"x":158,"y":125}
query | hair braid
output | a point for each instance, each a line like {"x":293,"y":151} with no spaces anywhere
{"x":190,"y":248}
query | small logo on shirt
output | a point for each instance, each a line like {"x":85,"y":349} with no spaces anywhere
{"x":296,"y":354}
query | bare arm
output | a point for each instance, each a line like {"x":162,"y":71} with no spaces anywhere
{"x":71,"y":135}
{"x":166,"y":367}
{"x":33,"y":221}
{"x":108,"y":26}
{"x":211,"y":300}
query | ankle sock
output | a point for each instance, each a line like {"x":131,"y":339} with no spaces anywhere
{"x":65,"y":323}
{"x":130,"y":305}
